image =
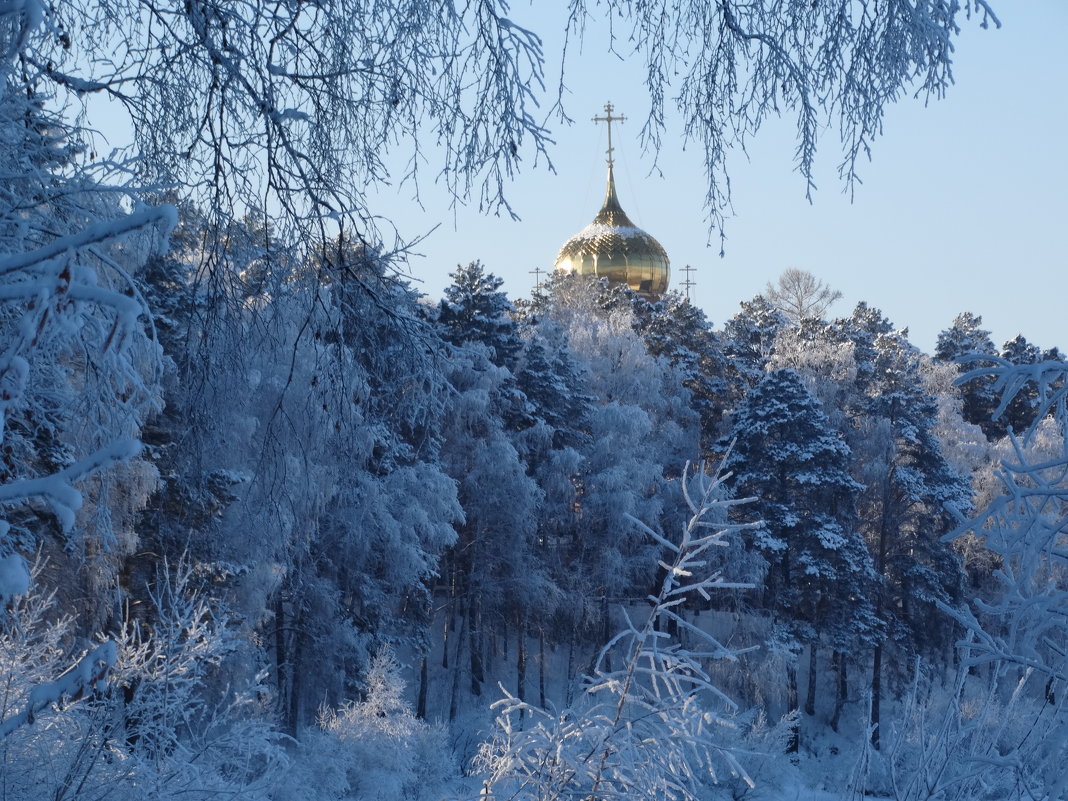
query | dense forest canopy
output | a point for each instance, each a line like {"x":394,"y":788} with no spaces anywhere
{"x":275,"y":525}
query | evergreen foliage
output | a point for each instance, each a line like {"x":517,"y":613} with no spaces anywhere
{"x":251,"y":480}
{"x":965,"y":342}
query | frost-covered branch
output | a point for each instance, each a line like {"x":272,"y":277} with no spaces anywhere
{"x":298,"y":107}
{"x":1004,"y":735}
{"x":655,"y":726}
{"x":164,"y":217}
{"x":88,"y":674}
{"x":58,"y":488}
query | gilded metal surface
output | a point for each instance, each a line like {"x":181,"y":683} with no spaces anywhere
{"x":615,"y":248}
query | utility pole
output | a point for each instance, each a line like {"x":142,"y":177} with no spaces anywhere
{"x":688,"y":283}
{"x":537,"y":273}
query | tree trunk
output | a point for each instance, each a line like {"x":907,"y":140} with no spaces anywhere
{"x":606,"y":634}
{"x":541,"y":668}
{"x":445,"y":638}
{"x":521,"y":660}
{"x":843,"y":688}
{"x":293,"y":720}
{"x":885,"y":525}
{"x":478,"y":673}
{"x":810,"y":693}
{"x":876,"y":689}
{"x":794,"y":741}
{"x":570,"y":669}
{"x":281,"y":661}
{"x":454,"y":699}
{"x":420,"y":705}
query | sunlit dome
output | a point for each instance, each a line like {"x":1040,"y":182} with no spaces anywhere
{"x":613,"y":247}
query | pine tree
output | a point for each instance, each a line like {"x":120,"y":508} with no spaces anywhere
{"x":967,"y":343}
{"x":475,"y":309}
{"x":678,"y":331}
{"x":819,"y":580}
{"x":911,"y":495}
{"x":1022,"y":408}
{"x":748,"y":343}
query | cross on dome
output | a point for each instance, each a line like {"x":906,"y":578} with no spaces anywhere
{"x":609,"y":119}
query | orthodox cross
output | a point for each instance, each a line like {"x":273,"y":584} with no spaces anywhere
{"x":537,"y":272}
{"x":608,"y":118}
{"x":688,"y":283}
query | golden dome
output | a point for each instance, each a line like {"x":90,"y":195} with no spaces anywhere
{"x":615,"y":248}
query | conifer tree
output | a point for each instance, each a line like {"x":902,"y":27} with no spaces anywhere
{"x":1022,"y":407}
{"x":911,"y":495}
{"x":678,"y":331}
{"x":748,"y":343}
{"x":475,"y":309}
{"x":820,"y":578}
{"x":967,"y":343}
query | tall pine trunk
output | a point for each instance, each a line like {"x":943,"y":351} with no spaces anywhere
{"x":293,"y":719}
{"x":281,"y":662}
{"x":521,"y":659}
{"x":794,"y":741}
{"x":478,"y":673}
{"x":541,"y":668}
{"x":420,"y":705}
{"x":810,"y":693}
{"x":880,"y":592}
{"x":840,"y":665}
{"x":454,"y":699}
{"x":876,"y":690}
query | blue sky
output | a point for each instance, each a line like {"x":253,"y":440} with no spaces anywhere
{"x":963,"y":205}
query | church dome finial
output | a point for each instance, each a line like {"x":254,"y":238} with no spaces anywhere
{"x":612,"y":246}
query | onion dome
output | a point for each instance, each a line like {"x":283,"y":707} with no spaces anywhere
{"x":615,"y":248}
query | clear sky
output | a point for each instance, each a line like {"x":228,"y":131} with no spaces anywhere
{"x":963,"y":206}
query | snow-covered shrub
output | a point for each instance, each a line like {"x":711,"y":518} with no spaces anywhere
{"x":142,"y":718}
{"x":372,"y":750}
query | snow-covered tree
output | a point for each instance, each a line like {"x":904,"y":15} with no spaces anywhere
{"x":678,"y":331}
{"x":911,"y":495}
{"x":749,"y":342}
{"x":963,"y":343}
{"x":79,"y":364}
{"x":636,"y":398}
{"x":820,"y":581}
{"x":800,"y":295}
{"x":1003,"y":733}
{"x":1023,"y":406}
{"x":475,"y":309}
{"x":650,"y":722}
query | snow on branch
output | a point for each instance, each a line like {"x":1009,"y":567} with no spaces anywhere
{"x":164,"y":216}
{"x":86,"y":676}
{"x":1049,"y":378}
{"x":58,"y":488}
{"x":656,"y":726}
